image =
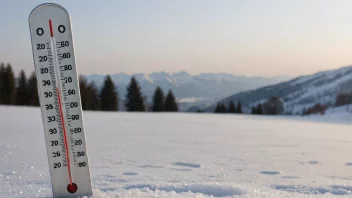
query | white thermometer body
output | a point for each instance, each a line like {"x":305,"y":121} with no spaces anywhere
{"x":60,"y":101}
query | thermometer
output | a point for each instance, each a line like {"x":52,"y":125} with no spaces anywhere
{"x":60,"y":102}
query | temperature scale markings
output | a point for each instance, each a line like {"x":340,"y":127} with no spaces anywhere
{"x":65,"y":138}
{"x":63,"y":128}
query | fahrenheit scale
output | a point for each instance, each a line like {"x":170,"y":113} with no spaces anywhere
{"x":54,"y":60}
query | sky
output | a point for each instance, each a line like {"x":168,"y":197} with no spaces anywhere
{"x":241,"y":37}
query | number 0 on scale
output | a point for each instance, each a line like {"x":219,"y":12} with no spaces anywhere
{"x":60,"y":101}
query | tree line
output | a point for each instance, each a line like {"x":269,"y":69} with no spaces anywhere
{"x":23,"y":91}
{"x":236,"y":108}
{"x":232,"y":108}
{"x":134,"y":99}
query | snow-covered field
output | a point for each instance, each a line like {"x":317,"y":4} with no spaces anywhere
{"x":186,"y":155}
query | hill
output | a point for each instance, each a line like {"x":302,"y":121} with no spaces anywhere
{"x":301,"y":92}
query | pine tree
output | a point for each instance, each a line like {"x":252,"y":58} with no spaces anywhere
{"x":2,"y":83}
{"x":83,"y":89}
{"x":33,"y":99}
{"x":9,"y":84}
{"x":217,"y":108}
{"x":94,"y":100}
{"x":253,"y":110}
{"x":223,"y":108}
{"x":134,"y":100}
{"x":89,"y":94}
{"x":259,"y":109}
{"x":220,"y":108}
{"x":108,"y":96}
{"x":239,"y":108}
{"x":158,"y":100}
{"x":170,"y":102}
{"x":232,"y":108}
{"x":22,"y":90}
{"x":200,"y":111}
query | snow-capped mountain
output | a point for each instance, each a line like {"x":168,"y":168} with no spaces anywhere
{"x":205,"y":86}
{"x":301,"y":92}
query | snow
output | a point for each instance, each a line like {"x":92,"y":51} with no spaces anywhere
{"x":148,"y":78}
{"x":342,"y":115}
{"x":300,"y":93}
{"x":171,"y":80}
{"x":190,"y":100}
{"x":183,"y":78}
{"x":319,"y":90}
{"x":324,"y":87}
{"x":327,"y":74}
{"x":187,"y":155}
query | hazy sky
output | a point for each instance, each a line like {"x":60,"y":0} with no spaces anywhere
{"x":243,"y":37}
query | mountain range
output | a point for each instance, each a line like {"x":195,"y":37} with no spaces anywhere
{"x":190,"y":89}
{"x":299,"y":93}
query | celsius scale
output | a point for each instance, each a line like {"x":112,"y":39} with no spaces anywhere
{"x":60,"y":101}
